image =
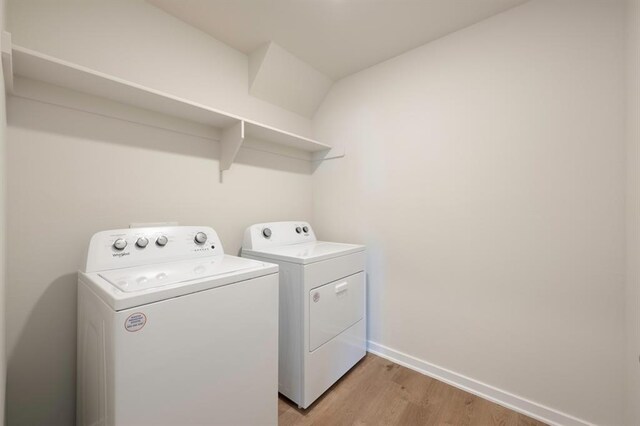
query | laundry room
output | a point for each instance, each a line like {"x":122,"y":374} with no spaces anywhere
{"x":321,"y":212}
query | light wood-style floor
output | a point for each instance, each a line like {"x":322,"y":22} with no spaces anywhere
{"x":379,"y":392}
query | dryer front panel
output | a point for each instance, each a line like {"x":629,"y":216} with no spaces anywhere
{"x":335,"y":307}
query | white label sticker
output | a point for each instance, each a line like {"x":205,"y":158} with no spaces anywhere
{"x":135,"y":322}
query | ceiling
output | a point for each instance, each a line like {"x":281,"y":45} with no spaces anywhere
{"x":336,"y":37}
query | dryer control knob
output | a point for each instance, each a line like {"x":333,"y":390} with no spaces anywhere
{"x":298,"y":229}
{"x":142,"y":242}
{"x":120,"y":244}
{"x":162,"y":240}
{"x":305,"y":229}
{"x":266,"y":232}
{"x":200,"y":238}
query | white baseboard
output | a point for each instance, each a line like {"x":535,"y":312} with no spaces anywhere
{"x":504,"y":398}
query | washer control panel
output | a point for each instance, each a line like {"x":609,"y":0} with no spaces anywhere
{"x":123,"y":248}
{"x":275,"y":234}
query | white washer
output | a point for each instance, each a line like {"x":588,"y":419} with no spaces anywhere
{"x":171,"y":331}
{"x":322,"y":305}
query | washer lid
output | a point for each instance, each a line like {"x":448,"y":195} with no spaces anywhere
{"x":306,"y":253}
{"x":129,"y":287}
{"x":146,"y":277}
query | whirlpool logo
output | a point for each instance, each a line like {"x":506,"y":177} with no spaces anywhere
{"x":120,"y":254}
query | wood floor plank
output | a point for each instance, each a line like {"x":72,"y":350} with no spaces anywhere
{"x":377,"y":392}
{"x":458,"y":409}
{"x":366,"y":393}
{"x":415,"y":386}
{"x":415,"y":414}
{"x":490,"y":414}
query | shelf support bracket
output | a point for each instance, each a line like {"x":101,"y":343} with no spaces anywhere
{"x":232,"y":138}
{"x":7,"y":60}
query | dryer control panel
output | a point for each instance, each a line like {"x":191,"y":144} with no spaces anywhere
{"x":274,"y":234}
{"x":124,"y":248}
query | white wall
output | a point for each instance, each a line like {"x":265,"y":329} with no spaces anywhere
{"x":3,"y":176}
{"x":136,"y":41}
{"x":485,"y":173}
{"x":3,"y":273}
{"x":278,"y":76}
{"x":633,"y":214}
{"x":71,"y":174}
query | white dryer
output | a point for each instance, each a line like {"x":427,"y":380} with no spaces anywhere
{"x":322,"y":305}
{"x":172,"y":331}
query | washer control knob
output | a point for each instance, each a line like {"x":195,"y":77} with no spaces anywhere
{"x":305,"y":229}
{"x":162,"y":240}
{"x":120,"y":244}
{"x":142,"y":242}
{"x":266,"y":232}
{"x":298,"y":229}
{"x":200,"y":238}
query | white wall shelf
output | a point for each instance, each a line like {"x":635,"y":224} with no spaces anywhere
{"x":26,"y":63}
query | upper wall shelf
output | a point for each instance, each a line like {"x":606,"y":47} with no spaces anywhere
{"x":20,"y":61}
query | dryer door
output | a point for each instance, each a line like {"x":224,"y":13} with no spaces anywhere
{"x":334,"y":307}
